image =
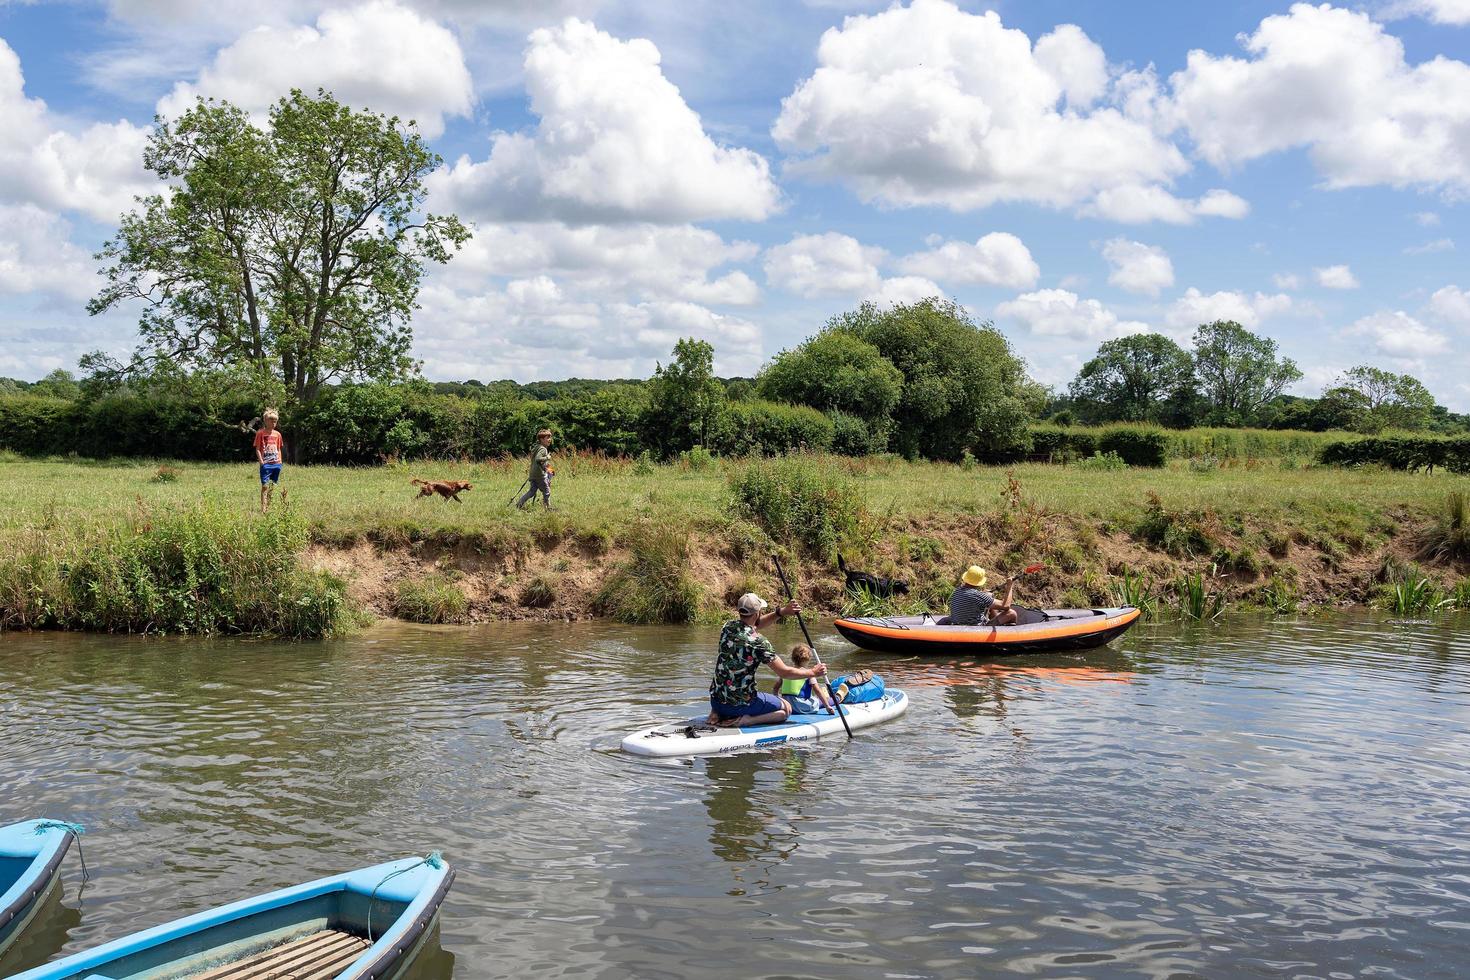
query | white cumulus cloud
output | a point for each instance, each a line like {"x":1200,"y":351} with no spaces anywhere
{"x":1061,"y":313}
{"x":653,"y":262}
{"x":1453,"y":12}
{"x":996,"y":259}
{"x":378,"y":55}
{"x":615,"y":141}
{"x":1338,"y":84}
{"x":1195,"y":308}
{"x":1452,"y":305}
{"x":37,"y":256}
{"x":926,"y":104}
{"x":95,"y":169}
{"x":901,"y":290}
{"x":1399,"y":335}
{"x":830,"y":264}
{"x":1336,"y":277}
{"x":1137,"y":267}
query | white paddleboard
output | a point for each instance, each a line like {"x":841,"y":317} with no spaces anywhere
{"x":694,"y":737}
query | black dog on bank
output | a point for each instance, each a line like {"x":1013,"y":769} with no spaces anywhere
{"x":874,"y":584}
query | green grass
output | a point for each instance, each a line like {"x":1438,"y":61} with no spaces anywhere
{"x":63,"y":514}
{"x":432,"y":598}
{"x":608,"y":497}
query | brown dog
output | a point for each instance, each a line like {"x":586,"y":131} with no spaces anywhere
{"x":448,"y":489}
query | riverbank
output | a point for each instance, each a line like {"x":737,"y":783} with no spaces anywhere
{"x":673,"y":544}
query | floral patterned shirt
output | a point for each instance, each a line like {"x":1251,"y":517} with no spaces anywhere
{"x":742,"y":651}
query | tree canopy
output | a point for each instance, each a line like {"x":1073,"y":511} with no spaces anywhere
{"x":684,"y":398}
{"x":963,"y":387}
{"x":1143,"y":377}
{"x":289,"y":255}
{"x":1239,"y":372}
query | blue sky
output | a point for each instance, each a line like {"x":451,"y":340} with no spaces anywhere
{"x":641,"y":171}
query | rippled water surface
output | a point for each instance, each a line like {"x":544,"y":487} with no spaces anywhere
{"x":1284,"y":799}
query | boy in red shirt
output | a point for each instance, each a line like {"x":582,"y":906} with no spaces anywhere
{"x":270,"y":450}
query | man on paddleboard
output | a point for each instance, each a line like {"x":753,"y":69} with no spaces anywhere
{"x":734,"y":699}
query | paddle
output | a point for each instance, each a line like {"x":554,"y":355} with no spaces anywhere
{"x":518,"y":492}
{"x":802,"y":622}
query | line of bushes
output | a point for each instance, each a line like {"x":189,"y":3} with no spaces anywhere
{"x":1400,"y":453}
{"x":1136,"y":445}
{"x":360,"y":424}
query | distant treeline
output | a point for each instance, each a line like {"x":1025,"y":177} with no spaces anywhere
{"x":921,"y":381}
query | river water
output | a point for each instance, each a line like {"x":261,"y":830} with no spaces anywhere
{"x":1275,"y":799}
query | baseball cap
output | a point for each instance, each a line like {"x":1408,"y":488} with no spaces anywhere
{"x":750,"y":603}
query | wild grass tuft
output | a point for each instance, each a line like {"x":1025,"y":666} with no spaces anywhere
{"x":1196,"y":602}
{"x":1133,"y":589}
{"x":654,"y":586}
{"x":1415,"y":597}
{"x":540,"y":592}
{"x":431,"y":598}
{"x":166,"y":474}
{"x":1448,"y":539}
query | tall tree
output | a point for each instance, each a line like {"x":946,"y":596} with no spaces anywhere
{"x":1239,"y":372}
{"x":836,"y":371}
{"x":963,"y":387}
{"x":684,"y":398}
{"x":290,"y":255}
{"x":1143,"y":377}
{"x":1390,"y":401}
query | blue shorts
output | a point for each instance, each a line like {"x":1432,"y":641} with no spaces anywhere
{"x":803,"y":706}
{"x":270,"y":473}
{"x":761,"y":704}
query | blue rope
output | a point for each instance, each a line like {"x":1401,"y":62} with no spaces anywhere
{"x":433,"y":859}
{"x":76,"y":830}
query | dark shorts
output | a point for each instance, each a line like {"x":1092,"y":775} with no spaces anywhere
{"x":270,"y":473}
{"x":761,"y":704}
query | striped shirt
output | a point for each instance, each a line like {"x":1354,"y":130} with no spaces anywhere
{"x":968,"y":605}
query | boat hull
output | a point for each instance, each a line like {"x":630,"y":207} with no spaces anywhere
{"x":1064,"y":630}
{"x":693,"y":737}
{"x":363,"y":925}
{"x":32,"y":870}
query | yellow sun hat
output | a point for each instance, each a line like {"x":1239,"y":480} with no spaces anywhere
{"x":974,"y":575}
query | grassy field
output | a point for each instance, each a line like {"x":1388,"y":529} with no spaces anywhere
{"x":1269,"y":528}
{"x":339,"y":503}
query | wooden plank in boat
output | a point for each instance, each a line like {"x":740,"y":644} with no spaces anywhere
{"x":327,"y":948}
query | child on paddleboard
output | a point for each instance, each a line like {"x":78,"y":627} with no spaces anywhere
{"x":804,"y":695}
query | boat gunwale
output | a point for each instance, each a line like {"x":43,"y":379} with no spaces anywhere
{"x":80,"y":964}
{"x":34,"y":881}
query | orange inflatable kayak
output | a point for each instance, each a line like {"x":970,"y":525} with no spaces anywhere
{"x":1061,"y":629}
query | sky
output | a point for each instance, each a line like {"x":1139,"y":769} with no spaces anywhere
{"x":636,"y":171}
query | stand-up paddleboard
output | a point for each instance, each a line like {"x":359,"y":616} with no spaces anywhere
{"x":694,"y":737}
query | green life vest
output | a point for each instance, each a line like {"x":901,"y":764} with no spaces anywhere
{"x":795,"y":686}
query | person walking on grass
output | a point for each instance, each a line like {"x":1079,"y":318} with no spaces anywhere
{"x":270,"y":450}
{"x":734,"y":700}
{"x":541,"y":471}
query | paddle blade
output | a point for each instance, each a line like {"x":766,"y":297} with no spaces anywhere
{"x":1032,"y":568}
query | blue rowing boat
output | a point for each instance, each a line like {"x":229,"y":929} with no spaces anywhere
{"x":30,"y":867}
{"x":362,"y":925}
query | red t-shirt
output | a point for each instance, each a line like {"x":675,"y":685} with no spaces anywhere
{"x":269,"y":445}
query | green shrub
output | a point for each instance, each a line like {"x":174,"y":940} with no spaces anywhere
{"x":697,"y":458}
{"x":654,"y":586}
{"x":1102,"y":462}
{"x":1136,"y":445}
{"x":1279,"y":595}
{"x":540,"y":592}
{"x":431,"y":598}
{"x":1179,"y":533}
{"x":1400,"y":453}
{"x":761,"y":428}
{"x":802,"y":499}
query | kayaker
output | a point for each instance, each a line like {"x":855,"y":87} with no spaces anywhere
{"x":970,"y":604}
{"x":734,"y":699}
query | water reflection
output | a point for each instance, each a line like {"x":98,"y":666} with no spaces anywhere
{"x":1280,"y":798}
